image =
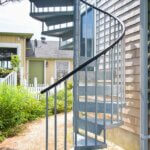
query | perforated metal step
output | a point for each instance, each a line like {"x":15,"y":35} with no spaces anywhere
{"x":91,"y":107}
{"x":52,"y":3}
{"x":53,"y":18}
{"x":66,"y":32}
{"x":100,"y":90}
{"x":92,"y":144}
{"x":91,"y":124}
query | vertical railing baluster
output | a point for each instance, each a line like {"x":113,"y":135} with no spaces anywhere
{"x":117,"y":47}
{"x":114,"y":67}
{"x":104,"y":75}
{"x":123,"y":70}
{"x":112,"y":85}
{"x":121,"y":78}
{"x":109,"y":42}
{"x":86,"y":81}
{"x":86,"y":106}
{"x":65,"y":107}
{"x":55,"y":114}
{"x":111,"y":70}
{"x":104,"y":96}
{"x":47,"y":120}
{"x":96,"y":111}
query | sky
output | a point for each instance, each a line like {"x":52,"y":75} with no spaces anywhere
{"x":14,"y":17}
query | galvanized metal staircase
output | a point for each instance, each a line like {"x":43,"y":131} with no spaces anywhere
{"x":98,"y":79}
{"x":57,"y":19}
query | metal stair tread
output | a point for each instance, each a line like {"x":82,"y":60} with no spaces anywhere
{"x":43,"y":16}
{"x":100,"y":123}
{"x":100,"y":106}
{"x":90,"y":143}
{"x":67,"y":46}
{"x":100,"y":89}
{"x":52,"y":3}
{"x":60,"y":32}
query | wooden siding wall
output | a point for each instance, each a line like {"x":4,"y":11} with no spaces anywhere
{"x":129,"y":12}
{"x":50,"y":70}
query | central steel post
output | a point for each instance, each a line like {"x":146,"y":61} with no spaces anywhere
{"x":76,"y":64}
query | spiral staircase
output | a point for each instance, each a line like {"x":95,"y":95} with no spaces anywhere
{"x":98,"y":79}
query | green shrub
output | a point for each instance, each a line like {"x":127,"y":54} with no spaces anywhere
{"x":69,"y":85}
{"x":60,"y":102}
{"x":17,"y":106}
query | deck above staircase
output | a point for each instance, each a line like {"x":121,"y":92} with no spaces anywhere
{"x":98,"y":79}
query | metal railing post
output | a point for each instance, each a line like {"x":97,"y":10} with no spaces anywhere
{"x":76,"y":61}
{"x":47,"y":120}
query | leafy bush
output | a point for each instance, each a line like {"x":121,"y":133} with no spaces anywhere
{"x":17,"y":106}
{"x":69,"y":85}
{"x":61,"y":101}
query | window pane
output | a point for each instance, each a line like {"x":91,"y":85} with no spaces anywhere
{"x":87,"y":33}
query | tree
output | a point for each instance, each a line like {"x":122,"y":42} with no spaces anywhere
{"x":3,"y":2}
{"x":15,"y":62}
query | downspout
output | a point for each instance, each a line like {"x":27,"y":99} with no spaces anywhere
{"x":76,"y":58}
{"x":144,"y":75}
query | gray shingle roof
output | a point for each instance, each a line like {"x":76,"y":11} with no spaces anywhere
{"x":49,"y":49}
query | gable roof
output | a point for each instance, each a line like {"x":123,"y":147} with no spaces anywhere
{"x":48,"y":49}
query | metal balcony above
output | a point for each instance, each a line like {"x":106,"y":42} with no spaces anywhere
{"x":52,"y":3}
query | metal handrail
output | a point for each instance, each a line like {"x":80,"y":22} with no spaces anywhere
{"x":93,"y":58}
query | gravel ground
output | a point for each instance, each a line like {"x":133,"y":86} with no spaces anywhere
{"x":33,"y":137}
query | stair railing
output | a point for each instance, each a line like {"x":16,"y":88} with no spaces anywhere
{"x":109,"y":57}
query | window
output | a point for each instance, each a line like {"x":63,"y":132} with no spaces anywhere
{"x":5,"y":56}
{"x":87,"y":33}
{"x":62,"y":68}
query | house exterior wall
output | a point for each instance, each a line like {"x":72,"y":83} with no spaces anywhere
{"x":50,"y":68}
{"x":128,"y":11}
{"x":5,"y":39}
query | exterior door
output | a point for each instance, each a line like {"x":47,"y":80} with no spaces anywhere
{"x":36,"y":69}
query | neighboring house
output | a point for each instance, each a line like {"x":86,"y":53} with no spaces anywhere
{"x":14,"y":43}
{"x":46,"y":62}
{"x":40,"y":59}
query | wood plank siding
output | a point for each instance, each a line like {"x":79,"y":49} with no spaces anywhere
{"x":129,"y":12}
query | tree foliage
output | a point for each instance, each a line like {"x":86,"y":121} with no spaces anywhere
{"x":15,"y":61}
